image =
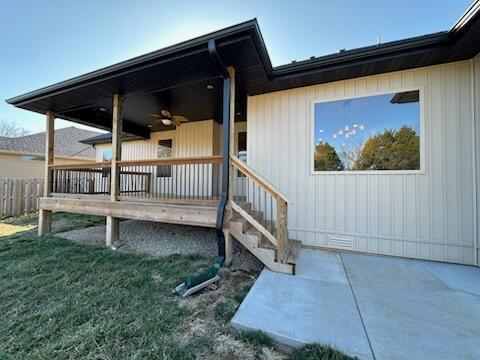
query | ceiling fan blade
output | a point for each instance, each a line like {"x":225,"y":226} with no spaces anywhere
{"x":175,"y":121}
{"x":180,"y":118}
{"x":155,"y":115}
{"x":166,"y":113}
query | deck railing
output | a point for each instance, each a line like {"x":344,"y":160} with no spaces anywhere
{"x":266,"y":207}
{"x":87,"y":178}
{"x":192,"y":179}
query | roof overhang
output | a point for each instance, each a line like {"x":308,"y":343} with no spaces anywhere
{"x":176,"y":77}
{"x":107,"y":139}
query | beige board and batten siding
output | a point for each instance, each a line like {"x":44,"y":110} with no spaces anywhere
{"x":429,"y":215}
{"x":188,"y":140}
{"x":476,"y":137}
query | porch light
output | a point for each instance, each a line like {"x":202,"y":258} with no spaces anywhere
{"x":209,"y":86}
{"x":166,"y":122}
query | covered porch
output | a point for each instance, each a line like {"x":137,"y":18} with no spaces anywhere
{"x":202,"y":81}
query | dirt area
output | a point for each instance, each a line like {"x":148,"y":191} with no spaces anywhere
{"x":211,"y":311}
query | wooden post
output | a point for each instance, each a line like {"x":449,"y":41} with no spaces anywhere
{"x":45,"y":216}
{"x":228,"y":247}
{"x":282,"y":232}
{"x":117,"y":125}
{"x":113,"y":233}
{"x":49,"y":151}
{"x":112,"y":224}
{"x":232,"y":171}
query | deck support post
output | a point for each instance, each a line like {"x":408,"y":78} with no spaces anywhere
{"x":116,"y":146}
{"x":45,"y":216}
{"x":112,"y":224}
{"x":228,"y":247}
{"x":112,"y":231}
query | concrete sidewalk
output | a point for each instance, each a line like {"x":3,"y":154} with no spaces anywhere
{"x":372,"y":307}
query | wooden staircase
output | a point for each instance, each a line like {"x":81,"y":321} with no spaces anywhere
{"x":258,"y":220}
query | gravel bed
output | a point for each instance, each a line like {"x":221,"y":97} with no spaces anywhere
{"x":160,"y":239}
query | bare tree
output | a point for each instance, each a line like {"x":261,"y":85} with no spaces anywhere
{"x":349,"y":155}
{"x":9,"y":128}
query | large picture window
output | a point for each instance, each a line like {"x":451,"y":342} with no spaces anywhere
{"x":372,"y":133}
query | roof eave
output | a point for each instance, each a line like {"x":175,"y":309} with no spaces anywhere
{"x":199,"y":43}
{"x":466,"y":19}
{"x":431,"y":40}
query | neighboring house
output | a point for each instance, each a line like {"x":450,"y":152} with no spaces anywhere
{"x":373,"y":149}
{"x":24,"y":156}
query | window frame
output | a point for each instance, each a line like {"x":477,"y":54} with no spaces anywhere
{"x":169,"y":167}
{"x":420,"y":171}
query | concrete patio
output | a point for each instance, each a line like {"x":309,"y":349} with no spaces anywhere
{"x":373,"y":307}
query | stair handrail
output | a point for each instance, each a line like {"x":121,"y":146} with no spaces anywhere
{"x":281,"y":235}
{"x":249,"y":172}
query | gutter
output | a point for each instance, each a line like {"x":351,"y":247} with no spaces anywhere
{"x":436,"y":39}
{"x":465,"y":19}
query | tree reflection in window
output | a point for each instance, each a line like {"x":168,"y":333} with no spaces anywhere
{"x":380,"y":132}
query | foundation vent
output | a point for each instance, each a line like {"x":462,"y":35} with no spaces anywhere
{"x":340,"y":241}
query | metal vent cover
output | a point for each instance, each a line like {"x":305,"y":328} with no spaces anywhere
{"x":340,"y":241}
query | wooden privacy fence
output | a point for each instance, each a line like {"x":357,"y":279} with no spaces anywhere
{"x":19,"y":196}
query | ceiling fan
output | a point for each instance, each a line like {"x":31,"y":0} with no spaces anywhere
{"x":167,"y":119}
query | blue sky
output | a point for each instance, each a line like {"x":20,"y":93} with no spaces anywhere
{"x":352,"y":121}
{"x":43,"y":42}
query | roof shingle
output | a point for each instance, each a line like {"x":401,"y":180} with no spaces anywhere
{"x":67,"y":143}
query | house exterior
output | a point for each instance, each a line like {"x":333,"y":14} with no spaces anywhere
{"x":372,"y":149}
{"x":24,"y":157}
{"x":200,"y":138}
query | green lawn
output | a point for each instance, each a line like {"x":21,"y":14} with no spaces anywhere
{"x":60,"y":300}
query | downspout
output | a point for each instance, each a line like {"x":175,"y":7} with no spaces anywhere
{"x":196,"y":283}
{"x":216,"y":58}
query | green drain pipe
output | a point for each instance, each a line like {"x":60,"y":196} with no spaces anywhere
{"x":198,"y":282}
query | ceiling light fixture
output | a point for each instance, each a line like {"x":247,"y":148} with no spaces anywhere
{"x":166,"y":122}
{"x":103,"y":109}
{"x":209,"y":86}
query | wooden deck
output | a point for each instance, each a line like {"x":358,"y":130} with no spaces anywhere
{"x":174,"y":213}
